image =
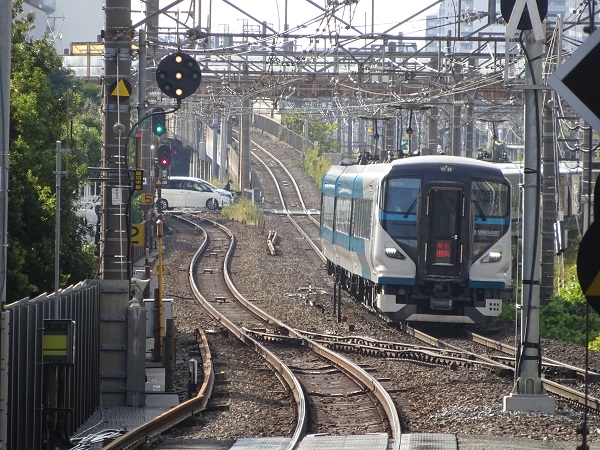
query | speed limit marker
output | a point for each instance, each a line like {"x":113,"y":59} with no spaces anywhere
{"x":146,"y":198}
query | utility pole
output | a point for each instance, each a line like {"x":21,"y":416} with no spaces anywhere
{"x":245,"y":145}
{"x":529,"y":393}
{"x":432,"y":131}
{"x":114,"y":242}
{"x":5,"y":51}
{"x":115,"y":192}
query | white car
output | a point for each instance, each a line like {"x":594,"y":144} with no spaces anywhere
{"x":189,"y":192}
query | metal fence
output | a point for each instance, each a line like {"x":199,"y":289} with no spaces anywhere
{"x":27,"y":390}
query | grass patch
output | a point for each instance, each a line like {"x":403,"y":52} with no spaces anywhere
{"x":244,"y":211}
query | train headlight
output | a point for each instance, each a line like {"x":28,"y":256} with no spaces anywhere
{"x":393,"y":252}
{"x":494,"y":255}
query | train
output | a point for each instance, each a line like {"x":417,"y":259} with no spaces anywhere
{"x":420,"y":239}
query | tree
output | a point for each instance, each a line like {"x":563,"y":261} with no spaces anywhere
{"x":317,"y":131}
{"x":44,"y":98}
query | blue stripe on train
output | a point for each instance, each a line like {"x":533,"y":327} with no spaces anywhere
{"x":486,"y":284}
{"x":397,"y":217}
{"x":397,"y":280}
{"x":492,"y":221}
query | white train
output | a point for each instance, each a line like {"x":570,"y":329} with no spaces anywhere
{"x":424,"y":238}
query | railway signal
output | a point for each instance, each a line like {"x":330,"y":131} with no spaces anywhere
{"x":178,"y":75}
{"x":588,"y":266}
{"x":159,"y":126}
{"x":164,"y":156}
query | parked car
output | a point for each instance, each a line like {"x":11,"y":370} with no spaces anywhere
{"x":189,"y":192}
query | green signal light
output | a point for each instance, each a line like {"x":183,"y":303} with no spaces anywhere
{"x":159,"y":121}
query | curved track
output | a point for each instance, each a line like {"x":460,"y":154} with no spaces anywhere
{"x":334,"y":385}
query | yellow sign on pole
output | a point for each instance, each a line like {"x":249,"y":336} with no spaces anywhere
{"x":138,"y":181}
{"x":146,"y":198}
{"x":137,"y":234}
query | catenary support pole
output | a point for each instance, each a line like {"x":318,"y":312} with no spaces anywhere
{"x":529,"y":393}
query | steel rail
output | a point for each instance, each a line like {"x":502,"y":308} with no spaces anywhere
{"x":551,"y":386}
{"x":343,"y":363}
{"x":288,"y":215}
{"x":511,"y":351}
{"x":176,"y":414}
{"x":290,"y":379}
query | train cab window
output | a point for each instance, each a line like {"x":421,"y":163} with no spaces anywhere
{"x":491,"y":199}
{"x":401,"y":195}
{"x":400,"y":205}
{"x":491,"y":211}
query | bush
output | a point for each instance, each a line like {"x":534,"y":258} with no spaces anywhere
{"x":315,"y":165}
{"x":244,"y":211}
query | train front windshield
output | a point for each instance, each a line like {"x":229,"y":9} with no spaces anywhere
{"x":491,"y":203}
{"x":400,"y":206}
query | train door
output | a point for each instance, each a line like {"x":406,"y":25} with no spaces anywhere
{"x":443,"y":213}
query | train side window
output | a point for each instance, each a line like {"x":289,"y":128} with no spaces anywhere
{"x":361,"y":218}
{"x":327,"y":211}
{"x":342,"y":215}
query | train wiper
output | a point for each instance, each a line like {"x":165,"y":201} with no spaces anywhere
{"x":409,"y":210}
{"x":481,"y":214}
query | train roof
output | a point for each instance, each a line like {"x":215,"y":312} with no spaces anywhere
{"x":461,"y":166}
{"x":514,"y":168}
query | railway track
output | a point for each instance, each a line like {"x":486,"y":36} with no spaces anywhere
{"x":327,"y":388}
{"x":552,"y":369}
{"x":428,"y":355}
{"x":502,"y":365}
{"x":334,"y":385}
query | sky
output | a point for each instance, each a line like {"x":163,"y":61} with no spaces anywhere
{"x":387,"y":14}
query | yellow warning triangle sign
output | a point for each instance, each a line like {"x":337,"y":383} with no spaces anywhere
{"x":120,"y":90}
{"x":594,"y":289}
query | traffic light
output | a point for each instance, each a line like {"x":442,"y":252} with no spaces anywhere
{"x":178,"y":75}
{"x":163,"y":155}
{"x":159,"y":126}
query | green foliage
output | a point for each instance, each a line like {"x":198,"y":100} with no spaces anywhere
{"x":564,"y":317}
{"x":566,"y":321}
{"x":244,"y":211}
{"x":45,"y":99}
{"x":322,"y":133}
{"x":137,"y":215}
{"x":316,"y":166}
{"x":508,"y":313}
